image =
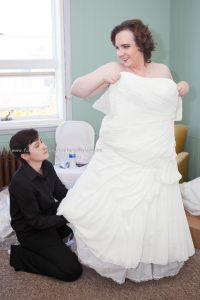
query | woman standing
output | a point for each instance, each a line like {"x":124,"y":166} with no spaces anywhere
{"x":126,"y":210}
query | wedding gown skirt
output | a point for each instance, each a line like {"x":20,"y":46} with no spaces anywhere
{"x":126,"y":209}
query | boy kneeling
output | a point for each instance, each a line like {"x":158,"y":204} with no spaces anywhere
{"x":39,"y":230}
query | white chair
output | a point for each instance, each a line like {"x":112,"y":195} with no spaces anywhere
{"x":73,"y":137}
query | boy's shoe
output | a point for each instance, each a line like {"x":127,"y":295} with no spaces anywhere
{"x":13,"y":249}
{"x":13,"y":245}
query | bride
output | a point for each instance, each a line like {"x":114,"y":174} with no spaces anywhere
{"x":126,"y":210}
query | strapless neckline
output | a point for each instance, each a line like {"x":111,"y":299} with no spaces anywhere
{"x":142,"y":77}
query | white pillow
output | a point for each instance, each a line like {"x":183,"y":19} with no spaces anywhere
{"x":5,"y":227}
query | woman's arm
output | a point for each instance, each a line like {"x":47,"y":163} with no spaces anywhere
{"x":182,"y":86}
{"x":96,"y":81}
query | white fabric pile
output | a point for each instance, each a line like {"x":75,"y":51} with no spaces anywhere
{"x":191,"y":196}
{"x":5,"y":228}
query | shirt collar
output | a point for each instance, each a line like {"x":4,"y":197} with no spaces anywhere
{"x":30,"y":172}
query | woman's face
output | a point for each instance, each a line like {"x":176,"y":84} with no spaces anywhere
{"x":127,"y":50}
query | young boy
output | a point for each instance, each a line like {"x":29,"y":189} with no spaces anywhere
{"x":33,"y":190}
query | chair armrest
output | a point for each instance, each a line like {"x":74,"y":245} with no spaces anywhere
{"x":182,"y":161}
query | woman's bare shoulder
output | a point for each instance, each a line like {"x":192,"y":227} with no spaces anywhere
{"x":112,"y":66}
{"x":161,"y":70}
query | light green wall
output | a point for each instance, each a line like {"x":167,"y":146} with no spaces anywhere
{"x":184,"y":61}
{"x":91,"y":24}
{"x":174,"y":24}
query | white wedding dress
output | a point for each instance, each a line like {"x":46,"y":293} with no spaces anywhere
{"x":126,"y":209}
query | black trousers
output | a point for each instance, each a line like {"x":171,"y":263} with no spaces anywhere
{"x":45,"y":253}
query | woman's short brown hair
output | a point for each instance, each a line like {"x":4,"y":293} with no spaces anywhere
{"x":142,"y":36}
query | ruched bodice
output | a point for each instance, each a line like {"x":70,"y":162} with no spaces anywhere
{"x":155,"y":98}
{"x":140,"y":114}
{"x":126,"y":209}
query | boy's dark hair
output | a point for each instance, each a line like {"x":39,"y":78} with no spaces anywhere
{"x":19,"y":143}
{"x":142,"y":36}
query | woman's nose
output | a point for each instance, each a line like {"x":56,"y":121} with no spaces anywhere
{"x":119,"y":52}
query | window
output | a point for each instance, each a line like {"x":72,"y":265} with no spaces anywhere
{"x":32,"y":67}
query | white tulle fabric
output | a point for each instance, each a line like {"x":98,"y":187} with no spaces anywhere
{"x":126,"y":209}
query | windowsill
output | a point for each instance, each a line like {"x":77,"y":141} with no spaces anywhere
{"x":6,"y":126}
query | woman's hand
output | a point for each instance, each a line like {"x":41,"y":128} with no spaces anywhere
{"x":183,"y":88}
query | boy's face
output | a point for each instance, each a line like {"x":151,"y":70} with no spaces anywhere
{"x":38,"y":152}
